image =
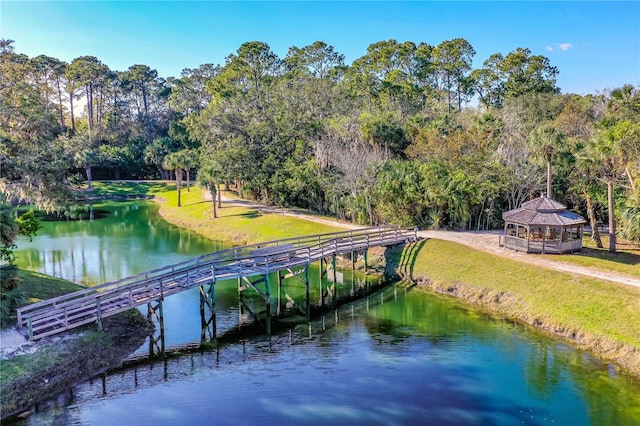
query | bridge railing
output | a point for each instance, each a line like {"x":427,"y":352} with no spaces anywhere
{"x":298,"y":250}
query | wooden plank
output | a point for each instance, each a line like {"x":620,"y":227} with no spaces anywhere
{"x":79,"y":308}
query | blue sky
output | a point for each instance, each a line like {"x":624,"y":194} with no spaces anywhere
{"x":595,"y":45}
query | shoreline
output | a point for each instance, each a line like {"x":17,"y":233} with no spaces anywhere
{"x":624,"y":357}
{"x":60,"y":364}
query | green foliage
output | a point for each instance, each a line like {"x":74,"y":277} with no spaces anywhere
{"x":10,"y":295}
{"x":309,"y":131}
{"x":28,"y":224}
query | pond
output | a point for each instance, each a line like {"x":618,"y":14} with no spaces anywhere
{"x":399,"y":356}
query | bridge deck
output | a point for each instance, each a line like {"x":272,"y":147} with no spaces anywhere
{"x":73,"y":310}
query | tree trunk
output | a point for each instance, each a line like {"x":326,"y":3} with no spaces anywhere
{"x":212,"y":190}
{"x":73,"y":121}
{"x":179,"y":186}
{"x":87,"y":168}
{"x":60,"y":110}
{"x":219,"y":197}
{"x":612,"y":221}
{"x":595,"y":234}
{"x":631,"y":182}
{"x":549,"y":193}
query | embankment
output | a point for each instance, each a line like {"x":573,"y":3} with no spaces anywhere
{"x":59,"y":366}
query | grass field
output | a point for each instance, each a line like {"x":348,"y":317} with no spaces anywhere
{"x":235,"y":224}
{"x":593,"y":306}
{"x":626,"y":260}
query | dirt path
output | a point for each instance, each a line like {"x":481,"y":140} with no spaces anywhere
{"x":486,"y":241}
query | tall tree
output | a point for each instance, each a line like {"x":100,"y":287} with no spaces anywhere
{"x":453,"y":60}
{"x":189,"y":92}
{"x":513,"y":75}
{"x":88,"y":72}
{"x":32,"y":162}
{"x":173,"y":161}
{"x":546,"y":140}
{"x":209,"y":176}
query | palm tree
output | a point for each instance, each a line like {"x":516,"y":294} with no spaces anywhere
{"x":208,"y":176}
{"x":173,"y":161}
{"x":607,"y":153}
{"x":547,"y":140}
{"x":189,"y":159}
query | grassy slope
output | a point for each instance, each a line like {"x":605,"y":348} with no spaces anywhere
{"x":562,"y":303}
{"x":24,"y":379}
{"x":40,"y":287}
{"x":238,"y":225}
{"x":593,"y":306}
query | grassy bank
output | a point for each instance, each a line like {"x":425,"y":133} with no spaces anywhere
{"x":626,"y":260}
{"x":235,"y":224}
{"x":59,"y":363}
{"x":600,"y":316}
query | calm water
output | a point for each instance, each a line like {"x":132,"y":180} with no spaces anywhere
{"x":400,"y":356}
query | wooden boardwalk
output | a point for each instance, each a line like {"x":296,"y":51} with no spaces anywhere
{"x":93,"y":304}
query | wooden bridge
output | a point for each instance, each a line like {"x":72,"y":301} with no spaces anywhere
{"x":93,"y":304}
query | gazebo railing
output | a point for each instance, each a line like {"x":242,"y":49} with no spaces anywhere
{"x":537,"y":246}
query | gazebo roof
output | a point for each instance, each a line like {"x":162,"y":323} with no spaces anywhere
{"x":544,"y":212}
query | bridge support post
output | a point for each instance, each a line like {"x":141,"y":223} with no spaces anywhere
{"x":334,"y":296}
{"x":279,"y":298}
{"x":306,"y":287}
{"x":353,"y":273}
{"x":208,"y":322}
{"x":321,"y":276}
{"x":156,"y":344}
{"x":267,"y":294}
{"x":366,"y":269}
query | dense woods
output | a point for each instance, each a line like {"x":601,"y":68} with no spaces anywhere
{"x":408,"y":133}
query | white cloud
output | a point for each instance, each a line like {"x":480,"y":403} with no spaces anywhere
{"x":549,"y":49}
{"x":565,"y":46}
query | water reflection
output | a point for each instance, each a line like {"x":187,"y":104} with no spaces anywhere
{"x":367,"y":363}
{"x":400,"y":356}
{"x":128,"y":238}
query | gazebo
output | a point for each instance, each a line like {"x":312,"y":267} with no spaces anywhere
{"x":542,"y":225}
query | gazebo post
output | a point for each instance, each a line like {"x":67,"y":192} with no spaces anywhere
{"x":561,"y":237}
{"x":528,"y":235}
{"x":544,"y":237}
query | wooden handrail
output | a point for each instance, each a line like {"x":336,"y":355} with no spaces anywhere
{"x":222,"y":264}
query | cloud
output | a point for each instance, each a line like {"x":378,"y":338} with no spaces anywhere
{"x":565,"y":46}
{"x":549,"y":49}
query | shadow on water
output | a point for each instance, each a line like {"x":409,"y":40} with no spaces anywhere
{"x":80,"y":212}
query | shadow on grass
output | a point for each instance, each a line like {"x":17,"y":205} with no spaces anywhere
{"x":125,"y":188}
{"x":197,"y":202}
{"x":622,"y":257}
{"x":251,"y":214}
{"x":403,"y":259}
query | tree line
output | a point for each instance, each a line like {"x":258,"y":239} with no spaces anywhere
{"x":408,"y":133}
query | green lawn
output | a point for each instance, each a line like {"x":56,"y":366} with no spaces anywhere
{"x":237,"y":225}
{"x":626,"y":260}
{"x":599,"y":308}
{"x":41,"y":287}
